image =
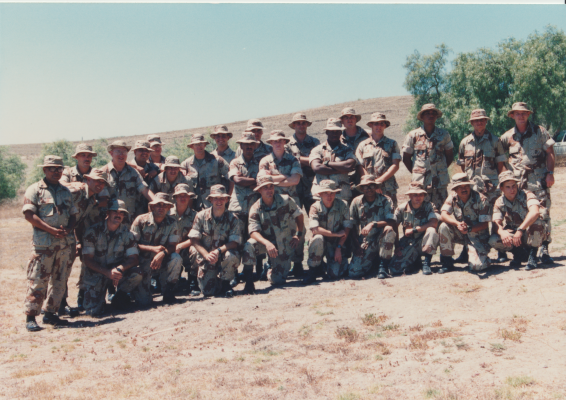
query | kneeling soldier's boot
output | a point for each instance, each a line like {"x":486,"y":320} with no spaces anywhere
{"x":544,"y":256}
{"x":258,"y":269}
{"x":234,"y":282}
{"x":249,"y":288}
{"x":517,"y":257}
{"x":532,"y":263}
{"x":426,"y":264}
{"x":263,"y":275}
{"x":447,"y":264}
{"x":194,"y":289}
{"x":31,"y":324}
{"x":169,"y":294}
{"x":80,"y":299}
{"x":120,"y":300}
{"x":463,"y":257}
{"x":52,"y":319}
{"x":382,"y":273}
{"x":225,"y":289}
{"x":64,"y":309}
{"x":501,"y":257}
{"x":298,"y":270}
{"x":312,"y":273}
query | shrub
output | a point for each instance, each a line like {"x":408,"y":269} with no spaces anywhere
{"x":12,"y":173}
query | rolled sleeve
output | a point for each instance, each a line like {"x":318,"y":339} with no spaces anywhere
{"x":297,"y":169}
{"x":433,"y":215}
{"x":174,"y":238}
{"x":235,"y":238}
{"x":135,"y":230}
{"x":532,"y":202}
{"x":408,"y":145}
{"x":30,"y":200}
{"x":29,"y":207}
{"x":348,"y":223}
{"x":313,"y":220}
{"x":195,"y":234}
{"x":449,"y":145}
{"x":315,"y":155}
{"x":497,"y":216}
{"x":390,"y":215}
{"x":132,"y":251}
{"x":88,"y":248}
{"x":448,"y":208}
{"x":396,"y":156}
{"x":548,"y":144}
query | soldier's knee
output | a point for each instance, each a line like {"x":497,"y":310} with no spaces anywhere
{"x":232,"y":258}
{"x":444,"y":229}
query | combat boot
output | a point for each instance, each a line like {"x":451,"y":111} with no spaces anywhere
{"x":501,"y":257}
{"x":383,"y":270}
{"x":64,"y":309}
{"x":194,"y":289}
{"x":258,"y":269}
{"x":169,"y":294}
{"x":263,"y":275}
{"x":426,"y":264}
{"x":80,"y":300}
{"x":225,"y":289}
{"x":532,"y":263}
{"x":544,"y":256}
{"x":297,"y":271}
{"x":52,"y":319}
{"x":120,"y":300}
{"x":517,"y":257}
{"x":462,"y":258}
{"x":249,"y":288}
{"x":311,"y":275}
{"x":447,"y":263}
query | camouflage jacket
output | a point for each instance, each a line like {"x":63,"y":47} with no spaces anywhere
{"x":149,"y":166}
{"x":356,"y":140}
{"x":479,"y":157}
{"x":341,"y":152}
{"x":228,"y":155}
{"x":261,"y":151}
{"x":184,"y":222}
{"x":53,"y":204}
{"x":243,"y":197}
{"x":409,"y":218}
{"x":377,"y":158}
{"x":303,"y":149}
{"x":205,"y":174}
{"x":87,"y":207}
{"x":126,"y":186}
{"x":476,"y":210}
{"x":161,"y":184}
{"x":109,"y":248}
{"x":513,"y":213}
{"x":288,"y":165}
{"x":333,"y":219}
{"x":148,"y":233}
{"x":429,"y":160}
{"x":213,"y":232}
{"x":72,"y":174}
{"x":363,"y":213}
{"x":527,"y":155}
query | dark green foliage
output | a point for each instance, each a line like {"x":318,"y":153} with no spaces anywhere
{"x":12,"y":173}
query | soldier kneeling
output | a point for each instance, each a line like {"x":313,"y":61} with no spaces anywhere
{"x":516,"y":215}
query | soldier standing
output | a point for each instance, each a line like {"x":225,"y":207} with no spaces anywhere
{"x":465,"y":217}
{"x":428,"y":151}
{"x":352,"y":136}
{"x":374,"y":233}
{"x":417,"y":219}
{"x":84,"y":155}
{"x":171,"y":176}
{"x":48,"y":207}
{"x":330,"y":225}
{"x":380,"y":156}
{"x":255,"y":126}
{"x":516,"y":215}
{"x":221,"y":136}
{"x":531,"y":158}
{"x":157,"y":146}
{"x":147,"y":168}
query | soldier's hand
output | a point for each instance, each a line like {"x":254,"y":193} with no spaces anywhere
{"x":364,"y":246}
{"x":152,"y":174}
{"x":58,"y":233}
{"x":294,"y":241}
{"x":367,"y":229}
{"x":158,"y":249}
{"x":212,"y":257}
{"x":157,"y":260}
{"x":517,"y":238}
{"x":338,"y":255}
{"x":409,"y":232}
{"x":463,"y":227}
{"x":272,"y":250}
{"x":178,"y":248}
{"x":549,"y":180}
{"x":506,"y":238}
{"x":115,"y":275}
{"x":340,"y":233}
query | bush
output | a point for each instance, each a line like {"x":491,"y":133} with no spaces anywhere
{"x":12,"y":173}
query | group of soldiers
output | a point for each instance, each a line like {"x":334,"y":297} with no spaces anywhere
{"x":137,"y":225}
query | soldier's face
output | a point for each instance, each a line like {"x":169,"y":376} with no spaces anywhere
{"x":172,"y":172}
{"x":160,"y":210}
{"x":429,"y":117}
{"x":157,"y":149}
{"x":369,"y":191}
{"x":463,"y":192}
{"x":116,"y":217}
{"x":300,"y":127}
{"x":417,"y":199}
{"x":248,"y":149}
{"x":219,"y":202}
{"x":221,"y":139}
{"x":119,"y":155}
{"x":348,"y":121}
{"x":278,"y":145}
{"x":95,"y":185}
{"x":84,"y":159}
{"x":327,"y":198}
{"x":510,"y":189}
{"x":258,"y":133}
{"x":521,"y":117}
{"x":333,"y":137}
{"x":267,"y":192}
{"x":378,"y":128}
{"x":479,"y":125}
{"x":183,"y":200}
{"x":53,"y":174}
{"x":142,"y":155}
{"x":199,"y":148}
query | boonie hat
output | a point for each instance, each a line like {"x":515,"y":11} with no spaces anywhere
{"x":97,"y":174}
{"x":52,"y":161}
{"x":428,"y":107}
{"x":264,"y":179}
{"x":519,"y":106}
{"x":460,"y":179}
{"x":183,"y":188}
{"x":118,"y":143}
{"x":333,"y":124}
{"x":161,"y":198}
{"x":118,"y":205}
{"x":197,"y":138}
{"x":154,"y":140}
{"x":142,"y":145}
{"x":221,"y":129}
{"x":171,"y":161}
{"x":84,"y":148}
{"x":416,"y":188}
{"x":217,"y":191}
{"x":507,"y":176}
{"x":368,"y":180}
{"x":478,"y":113}
{"x":350,"y":111}
{"x":247,"y":137}
{"x":277,"y":135}
{"x":299,"y":117}
{"x":326,"y":186}
{"x":378,"y":117}
{"x":254,"y":124}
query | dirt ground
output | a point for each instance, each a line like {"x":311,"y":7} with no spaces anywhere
{"x":496,"y":335}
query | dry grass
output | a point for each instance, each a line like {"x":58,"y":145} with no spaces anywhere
{"x":348,"y":334}
{"x":510,"y":334}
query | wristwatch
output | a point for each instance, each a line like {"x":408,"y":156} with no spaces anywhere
{"x":326,"y":162}
{"x":299,"y":234}
{"x":469,"y":229}
{"x":520,"y":230}
{"x":119,"y":270}
{"x":339,"y":246}
{"x":551,"y":172}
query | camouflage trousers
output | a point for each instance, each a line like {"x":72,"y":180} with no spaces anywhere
{"x":377,"y":245}
{"x":320,"y":246}
{"x":543,"y":196}
{"x":47,"y":275}
{"x":533,"y":237}
{"x":167,"y":274}
{"x":280,"y":266}
{"x":410,"y":249}
{"x":478,"y":245}
{"x":96,"y":284}
{"x":436,"y":196}
{"x":209,"y":275}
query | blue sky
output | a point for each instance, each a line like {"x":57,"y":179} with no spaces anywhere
{"x":87,"y":71}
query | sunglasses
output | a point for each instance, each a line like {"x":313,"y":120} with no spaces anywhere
{"x":55,"y":169}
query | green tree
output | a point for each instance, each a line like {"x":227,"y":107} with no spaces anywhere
{"x":12,"y":173}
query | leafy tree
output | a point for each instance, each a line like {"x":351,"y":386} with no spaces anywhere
{"x":12,"y":173}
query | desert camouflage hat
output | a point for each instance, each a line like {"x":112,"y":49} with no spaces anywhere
{"x":378,"y":117}
{"x":52,"y":161}
{"x":416,"y":188}
{"x":183,"y":188}
{"x":118,"y":205}
{"x":299,"y":117}
{"x":277,"y":135}
{"x":326,"y":186}
{"x":460,"y":179}
{"x":264,"y":179}
{"x":507,"y":176}
{"x":118,"y":143}
{"x":161,"y":198}
{"x":221,"y":129}
{"x":350,"y":111}
{"x":428,"y":107}
{"x":97,"y":174}
{"x":171,"y":161}
{"x":254,"y":124}
{"x":368,"y":180}
{"x":247,"y":137}
{"x":197,"y":138}
{"x":142,"y":145}
{"x":84,"y":148}
{"x":154,"y":140}
{"x":478,"y":113}
{"x":217,"y":191}
{"x":519,"y":106}
{"x":333,"y":124}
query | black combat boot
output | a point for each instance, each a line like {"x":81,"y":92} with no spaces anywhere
{"x":64,"y":309}
{"x":544,"y":256}
{"x":501,"y":257}
{"x":518,"y":257}
{"x":225,"y":289}
{"x":532,"y":263}
{"x":194,"y":289}
{"x":169,"y":294}
{"x":263,"y":275}
{"x":383,"y":271}
{"x":258,"y":269}
{"x":447,"y":263}
{"x":463,"y":257}
{"x":31,"y":324}
{"x":311,"y":275}
{"x":80,"y":300}
{"x":121,"y":300}
{"x":52,"y":319}
{"x":297,"y":271}
{"x":426,"y":264}
{"x":249,"y":288}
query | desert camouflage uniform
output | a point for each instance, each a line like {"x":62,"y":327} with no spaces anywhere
{"x":305,"y":185}
{"x":429,"y":162}
{"x":476,"y":210}
{"x":527,"y":160}
{"x":205,"y":173}
{"x":379,"y":241}
{"x":261,"y":151}
{"x":51,"y":259}
{"x":513,"y":214}
{"x":212,"y":234}
{"x":479,"y":157}
{"x":109,"y":249}
{"x":72,"y":174}
{"x":149,"y":166}
{"x":334,"y":219}
{"x":276,"y":224}
{"x":377,"y":158}
{"x":185,"y":224}
{"x":412,"y":246}
{"x":353,"y":142}
{"x":161,"y":184}
{"x":243,"y":197}
{"x":341,"y":152}
{"x":288,"y":165}
{"x":228,"y":155}
{"x":147,"y":232}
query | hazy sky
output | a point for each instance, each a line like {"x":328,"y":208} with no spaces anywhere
{"x":97,"y":70}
